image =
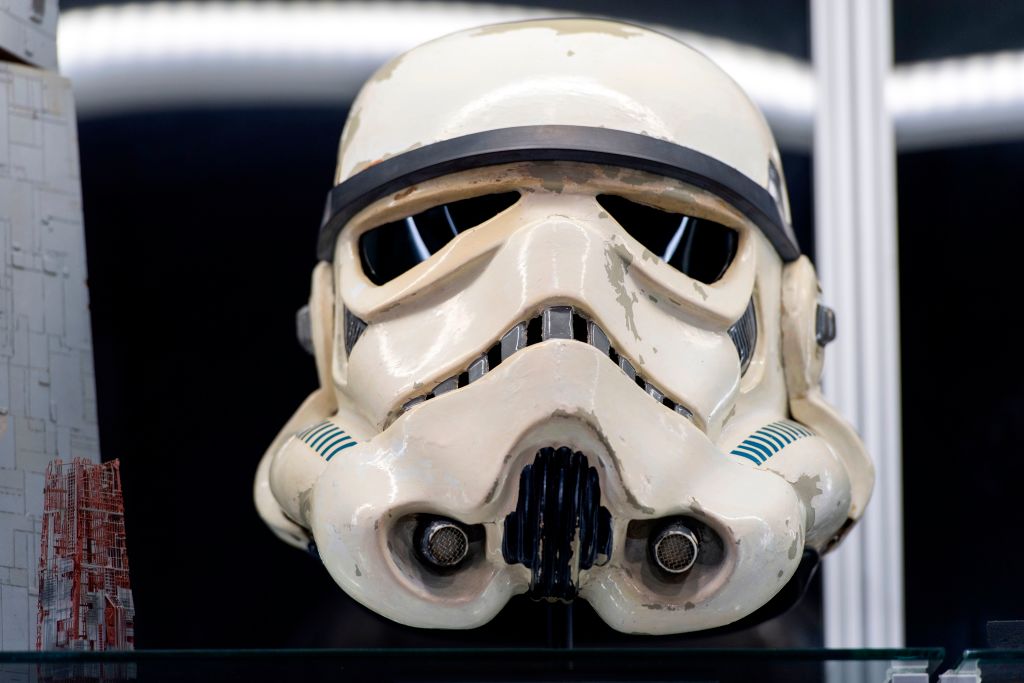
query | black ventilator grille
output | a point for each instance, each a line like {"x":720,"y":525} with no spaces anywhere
{"x":559,"y":510}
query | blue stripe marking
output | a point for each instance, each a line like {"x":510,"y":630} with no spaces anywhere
{"x":757,"y":437}
{"x":757,"y":447}
{"x":318,"y":427}
{"x":788,"y":429}
{"x":768,"y":440}
{"x":776,"y":441}
{"x":772,"y":429}
{"x":326,"y":445}
{"x":322,"y":426}
{"x":748,"y":457}
{"x":744,"y":449}
{"x":319,"y":441}
{"x":324,"y":437}
{"x":340,"y":448}
{"x":302,"y":434}
{"x":798,"y":429}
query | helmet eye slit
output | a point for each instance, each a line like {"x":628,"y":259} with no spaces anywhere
{"x":697,"y":247}
{"x":389,"y":250}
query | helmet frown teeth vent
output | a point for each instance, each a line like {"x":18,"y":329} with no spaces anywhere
{"x":744,"y":336}
{"x":698,"y":247}
{"x":554,"y":322}
{"x":354,"y":328}
{"x":393,"y":248}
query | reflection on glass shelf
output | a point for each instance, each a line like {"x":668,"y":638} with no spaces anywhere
{"x":605,"y":664}
{"x":992,"y":666}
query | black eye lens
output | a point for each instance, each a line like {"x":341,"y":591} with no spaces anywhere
{"x":393,"y":248}
{"x":698,"y":247}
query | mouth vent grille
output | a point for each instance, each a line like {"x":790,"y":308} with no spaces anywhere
{"x":354,"y":328}
{"x":554,"y":322}
{"x":744,"y":336}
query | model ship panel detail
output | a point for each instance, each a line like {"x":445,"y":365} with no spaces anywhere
{"x":85,"y":595}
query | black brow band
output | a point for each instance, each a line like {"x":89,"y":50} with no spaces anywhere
{"x":583,"y":144}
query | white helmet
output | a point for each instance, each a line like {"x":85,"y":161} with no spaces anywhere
{"x":566,"y":342}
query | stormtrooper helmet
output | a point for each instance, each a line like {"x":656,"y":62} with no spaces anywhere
{"x":566,"y":342}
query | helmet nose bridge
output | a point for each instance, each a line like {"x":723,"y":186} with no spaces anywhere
{"x":559,"y":250}
{"x":575,"y":253}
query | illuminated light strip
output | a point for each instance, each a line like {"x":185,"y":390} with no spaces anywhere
{"x":138,"y":57}
{"x":977,"y":98}
{"x":154,"y":56}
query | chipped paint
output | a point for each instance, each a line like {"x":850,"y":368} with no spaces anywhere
{"x":636,"y":179}
{"x":351,"y":126}
{"x":385,"y":72}
{"x":305,"y":503}
{"x":554,"y":177}
{"x":807,"y":488}
{"x":617,"y":261}
{"x":606,"y":28}
{"x":794,"y":548}
{"x":700,"y":290}
{"x":367,"y":163}
{"x":404,"y":193}
{"x":562,"y":27}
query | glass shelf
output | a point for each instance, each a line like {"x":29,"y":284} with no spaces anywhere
{"x":603,"y":664}
{"x":992,"y":666}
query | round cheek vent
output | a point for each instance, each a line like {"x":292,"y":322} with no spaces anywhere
{"x":443,"y":543}
{"x":674,"y":548}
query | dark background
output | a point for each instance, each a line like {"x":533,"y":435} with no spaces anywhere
{"x":200,"y":229}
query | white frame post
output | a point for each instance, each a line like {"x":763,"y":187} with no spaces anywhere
{"x":855,"y":230}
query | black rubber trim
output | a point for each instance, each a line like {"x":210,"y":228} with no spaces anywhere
{"x":554,"y":143}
